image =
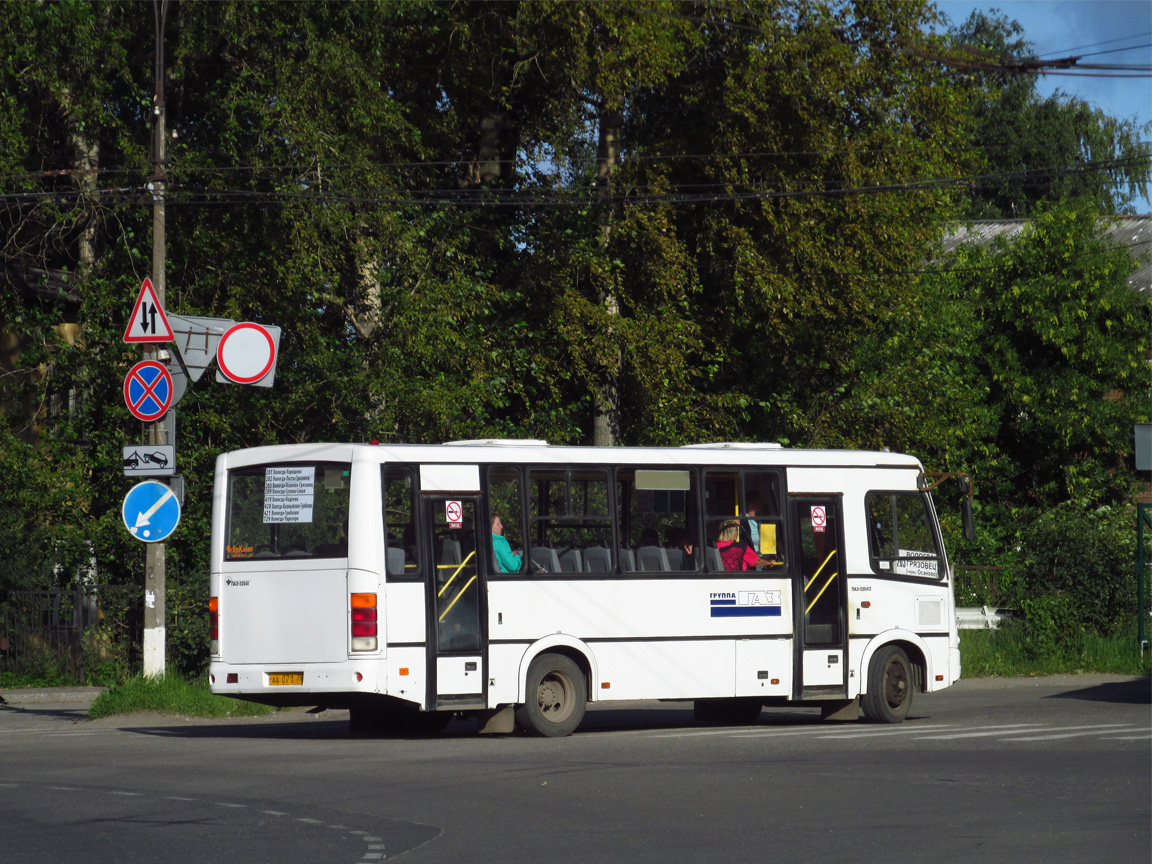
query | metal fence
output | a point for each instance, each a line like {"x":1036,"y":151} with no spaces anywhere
{"x":91,"y":631}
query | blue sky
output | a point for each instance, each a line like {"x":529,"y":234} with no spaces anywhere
{"x":1062,"y":28}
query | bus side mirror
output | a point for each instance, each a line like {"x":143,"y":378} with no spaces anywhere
{"x":969,"y":522}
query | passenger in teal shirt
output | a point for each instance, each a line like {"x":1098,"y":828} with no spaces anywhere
{"x":508,"y":560}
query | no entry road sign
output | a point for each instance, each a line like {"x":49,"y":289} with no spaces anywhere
{"x":246,"y":353}
{"x":148,"y":390}
{"x":151,"y":511}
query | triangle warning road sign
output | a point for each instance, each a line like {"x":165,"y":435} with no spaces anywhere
{"x":148,"y":322}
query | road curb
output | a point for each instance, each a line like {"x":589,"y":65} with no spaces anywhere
{"x":51,"y":695}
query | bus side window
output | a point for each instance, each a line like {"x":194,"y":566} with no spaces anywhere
{"x":763,"y":525}
{"x":657,"y":517}
{"x":403,"y":552}
{"x":900,"y":535}
{"x":505,"y":493}
{"x":570,"y":520}
{"x":721,"y":504}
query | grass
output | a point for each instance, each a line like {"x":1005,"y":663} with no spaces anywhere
{"x":171,"y":694}
{"x":1007,"y":653}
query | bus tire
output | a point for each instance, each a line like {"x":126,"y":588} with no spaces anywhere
{"x":890,"y":680}
{"x":557,"y":694}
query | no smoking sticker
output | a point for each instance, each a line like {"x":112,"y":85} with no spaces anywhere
{"x":819,"y":518}
{"x":453,"y":512}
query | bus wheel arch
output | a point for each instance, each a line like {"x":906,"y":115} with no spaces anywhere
{"x":555,"y":694}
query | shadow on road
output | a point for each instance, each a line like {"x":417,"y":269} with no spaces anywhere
{"x":596,"y":722}
{"x":72,"y":714}
{"x":1138,"y":692}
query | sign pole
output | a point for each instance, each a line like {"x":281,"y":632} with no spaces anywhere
{"x":154,"y":560}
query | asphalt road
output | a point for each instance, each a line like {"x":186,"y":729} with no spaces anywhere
{"x":1024,"y":770}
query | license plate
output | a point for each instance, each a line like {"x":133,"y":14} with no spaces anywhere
{"x":285,"y":679}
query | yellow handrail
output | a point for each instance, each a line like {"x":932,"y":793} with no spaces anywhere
{"x":822,"y":590}
{"x":818,"y":569}
{"x":440,"y":593}
{"x":467,"y":585}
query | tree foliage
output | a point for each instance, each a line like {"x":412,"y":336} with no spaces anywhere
{"x":1041,"y":150}
{"x":707,"y":220}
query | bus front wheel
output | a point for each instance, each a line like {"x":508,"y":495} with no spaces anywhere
{"x":556,"y":695}
{"x":890,"y":681}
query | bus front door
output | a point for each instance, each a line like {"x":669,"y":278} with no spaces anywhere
{"x":821,"y":628}
{"x":456,"y":638}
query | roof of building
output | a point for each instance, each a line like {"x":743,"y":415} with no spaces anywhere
{"x":1132,"y":232}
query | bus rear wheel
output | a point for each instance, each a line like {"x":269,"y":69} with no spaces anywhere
{"x":557,"y":694}
{"x":889,"y":695}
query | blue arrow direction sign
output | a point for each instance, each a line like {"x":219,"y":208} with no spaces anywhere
{"x":151,"y":511}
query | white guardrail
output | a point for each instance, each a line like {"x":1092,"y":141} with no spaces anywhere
{"x":981,"y":617}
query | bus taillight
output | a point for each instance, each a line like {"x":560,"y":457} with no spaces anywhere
{"x":214,"y":625}
{"x":364,"y":622}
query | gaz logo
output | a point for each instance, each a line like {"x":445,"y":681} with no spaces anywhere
{"x":745,"y":604}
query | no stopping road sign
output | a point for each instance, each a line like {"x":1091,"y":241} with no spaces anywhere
{"x":148,"y":390}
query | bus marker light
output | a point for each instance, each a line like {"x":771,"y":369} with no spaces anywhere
{"x":867,"y":604}
{"x":775,"y":680}
{"x":403,"y":670}
{"x":939,"y":677}
{"x":604,"y":685}
{"x":233,"y":677}
{"x":359,"y":677}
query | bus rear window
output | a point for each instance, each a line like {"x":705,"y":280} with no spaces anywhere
{"x":288,"y":511}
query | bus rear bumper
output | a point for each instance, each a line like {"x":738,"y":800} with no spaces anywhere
{"x":332,"y":685}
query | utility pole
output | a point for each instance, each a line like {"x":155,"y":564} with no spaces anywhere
{"x":156,"y":431}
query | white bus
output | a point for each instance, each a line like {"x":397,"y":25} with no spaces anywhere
{"x":376,"y":578}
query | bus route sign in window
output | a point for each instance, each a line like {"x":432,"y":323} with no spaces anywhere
{"x":288,"y":511}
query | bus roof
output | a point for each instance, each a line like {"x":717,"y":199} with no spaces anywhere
{"x":535,"y":451}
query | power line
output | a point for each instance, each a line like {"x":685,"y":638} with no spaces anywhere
{"x":1097,"y":44}
{"x":583,"y":196}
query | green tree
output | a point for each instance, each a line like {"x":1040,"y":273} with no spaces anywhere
{"x":1041,"y":150}
{"x":784,"y":145}
{"x":1024,"y":365}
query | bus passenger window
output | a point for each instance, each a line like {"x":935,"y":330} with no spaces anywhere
{"x":399,"y":491}
{"x":754,"y":499}
{"x":569,"y":521}
{"x":504,"y":511}
{"x":659,"y":531}
{"x":762,"y":526}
